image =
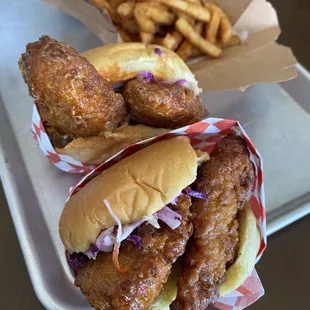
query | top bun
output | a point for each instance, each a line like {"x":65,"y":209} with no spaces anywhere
{"x":121,"y":62}
{"x":138,"y":185}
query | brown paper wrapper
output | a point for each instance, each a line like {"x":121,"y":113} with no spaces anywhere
{"x":259,"y":59}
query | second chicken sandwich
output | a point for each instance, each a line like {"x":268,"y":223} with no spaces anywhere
{"x":95,"y":104}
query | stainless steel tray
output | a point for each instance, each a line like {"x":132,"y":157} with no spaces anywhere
{"x":36,"y":190}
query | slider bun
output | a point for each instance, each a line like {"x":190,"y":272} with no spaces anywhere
{"x":249,"y":243}
{"x":95,"y":150}
{"x":139,"y":185}
{"x":121,"y":62}
{"x":237,"y":273}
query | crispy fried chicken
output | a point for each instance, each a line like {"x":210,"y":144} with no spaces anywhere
{"x":149,"y":266}
{"x":71,"y":96}
{"x":226,"y":178}
{"x":155,"y":104}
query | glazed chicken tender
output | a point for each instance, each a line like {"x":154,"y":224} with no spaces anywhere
{"x":226,"y":178}
{"x":148,"y":267}
{"x":69,"y":93}
{"x":159,"y":104}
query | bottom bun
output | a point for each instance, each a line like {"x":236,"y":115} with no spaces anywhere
{"x":95,"y":150}
{"x":249,"y":244}
{"x":236,"y":274}
{"x":169,"y":293}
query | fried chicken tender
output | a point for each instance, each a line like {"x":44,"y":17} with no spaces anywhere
{"x":155,"y":104}
{"x":226,"y":178}
{"x":70,"y":95}
{"x":149,"y":266}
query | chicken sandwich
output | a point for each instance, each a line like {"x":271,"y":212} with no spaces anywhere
{"x":126,"y":228}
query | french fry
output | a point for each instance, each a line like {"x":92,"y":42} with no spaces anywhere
{"x":126,"y":9}
{"x":197,"y":40}
{"x":145,"y":23}
{"x":233,"y":41}
{"x":213,"y":27}
{"x":188,"y":18}
{"x":145,"y":20}
{"x":146,"y":37}
{"x":225,"y":29}
{"x":212,"y":6}
{"x":172,"y":40}
{"x":185,"y":51}
{"x":194,"y":10}
{"x":198,"y":27}
{"x":159,"y":14}
{"x":125,"y":36}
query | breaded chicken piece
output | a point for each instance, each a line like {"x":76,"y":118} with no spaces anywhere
{"x":226,"y":178}
{"x":155,"y":104}
{"x":70,"y":95}
{"x":149,"y":266}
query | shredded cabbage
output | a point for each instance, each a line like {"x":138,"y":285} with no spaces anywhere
{"x":107,"y":238}
{"x":159,"y":52}
{"x":76,"y":260}
{"x":150,"y":76}
{"x":170,"y":217}
{"x":137,"y":240}
{"x":195,"y":194}
{"x":109,"y":241}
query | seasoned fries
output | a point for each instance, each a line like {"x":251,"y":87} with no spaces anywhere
{"x":226,"y":31}
{"x":197,"y":40}
{"x":233,"y":41}
{"x":225,"y":25}
{"x":213,"y":27}
{"x":144,"y":22}
{"x":146,"y":37}
{"x":172,"y":40}
{"x":191,"y":28}
{"x":194,"y":10}
{"x":160,"y":15}
{"x":185,"y":51}
{"x":126,"y":9}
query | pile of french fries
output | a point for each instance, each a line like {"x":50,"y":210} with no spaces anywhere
{"x":191,"y":28}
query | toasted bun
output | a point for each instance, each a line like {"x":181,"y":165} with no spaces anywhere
{"x":95,"y":150}
{"x":238,"y":272}
{"x":121,"y":62}
{"x":138,"y":185}
{"x":249,"y":243}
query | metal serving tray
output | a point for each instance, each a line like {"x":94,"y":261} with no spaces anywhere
{"x":36,"y":190}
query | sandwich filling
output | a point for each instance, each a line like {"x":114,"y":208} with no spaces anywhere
{"x":109,"y":240}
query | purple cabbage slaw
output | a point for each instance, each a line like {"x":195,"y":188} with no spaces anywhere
{"x":107,"y":238}
{"x":148,"y":75}
{"x":159,"y":52}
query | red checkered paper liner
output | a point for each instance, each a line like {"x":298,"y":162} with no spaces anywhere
{"x":63,"y":162}
{"x":204,"y":135}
